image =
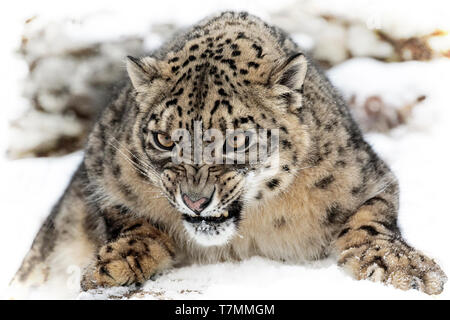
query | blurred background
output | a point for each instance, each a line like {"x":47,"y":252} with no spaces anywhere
{"x":390,"y":60}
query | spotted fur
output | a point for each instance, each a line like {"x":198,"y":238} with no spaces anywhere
{"x":329,"y":194}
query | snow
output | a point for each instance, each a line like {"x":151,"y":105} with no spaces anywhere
{"x":417,"y":152}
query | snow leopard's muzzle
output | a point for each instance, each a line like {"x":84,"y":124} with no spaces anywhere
{"x":208,"y":199}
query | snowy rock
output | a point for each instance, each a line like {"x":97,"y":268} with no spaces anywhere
{"x":70,"y":79}
{"x":364,"y":29}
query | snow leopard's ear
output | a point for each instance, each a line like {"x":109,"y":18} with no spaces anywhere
{"x":291,"y":73}
{"x":142,"y":71}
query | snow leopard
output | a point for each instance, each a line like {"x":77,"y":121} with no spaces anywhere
{"x":132,"y":210}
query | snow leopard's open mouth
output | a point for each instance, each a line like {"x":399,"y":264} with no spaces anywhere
{"x":233,"y":212}
{"x":214,"y":230}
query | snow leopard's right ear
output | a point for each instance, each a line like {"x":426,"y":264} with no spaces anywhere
{"x":142,"y":72}
{"x":291,"y":73}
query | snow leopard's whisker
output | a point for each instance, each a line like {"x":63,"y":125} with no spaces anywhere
{"x":133,"y":163}
{"x":141,"y":162}
{"x":144,"y":164}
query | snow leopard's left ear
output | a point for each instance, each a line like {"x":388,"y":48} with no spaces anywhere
{"x":142,"y":71}
{"x":291,"y":73}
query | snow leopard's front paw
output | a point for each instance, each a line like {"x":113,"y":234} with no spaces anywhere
{"x":126,"y":261}
{"x":393,"y":262}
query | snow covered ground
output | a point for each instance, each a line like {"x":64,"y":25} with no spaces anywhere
{"x":418,"y":153}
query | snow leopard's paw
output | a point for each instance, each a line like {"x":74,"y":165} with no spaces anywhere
{"x":393,"y":262}
{"x":126,"y":261}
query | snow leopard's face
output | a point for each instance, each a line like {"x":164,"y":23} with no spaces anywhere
{"x":220,"y":134}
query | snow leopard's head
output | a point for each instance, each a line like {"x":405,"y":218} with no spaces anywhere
{"x":217,"y":130}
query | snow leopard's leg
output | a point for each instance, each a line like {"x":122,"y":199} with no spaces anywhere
{"x":138,"y":252}
{"x":62,"y":247}
{"x":370,"y":246}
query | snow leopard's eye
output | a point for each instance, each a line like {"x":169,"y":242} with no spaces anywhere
{"x":163,"y":141}
{"x":237,"y":142}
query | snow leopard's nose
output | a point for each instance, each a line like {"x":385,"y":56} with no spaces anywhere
{"x":195,"y":203}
